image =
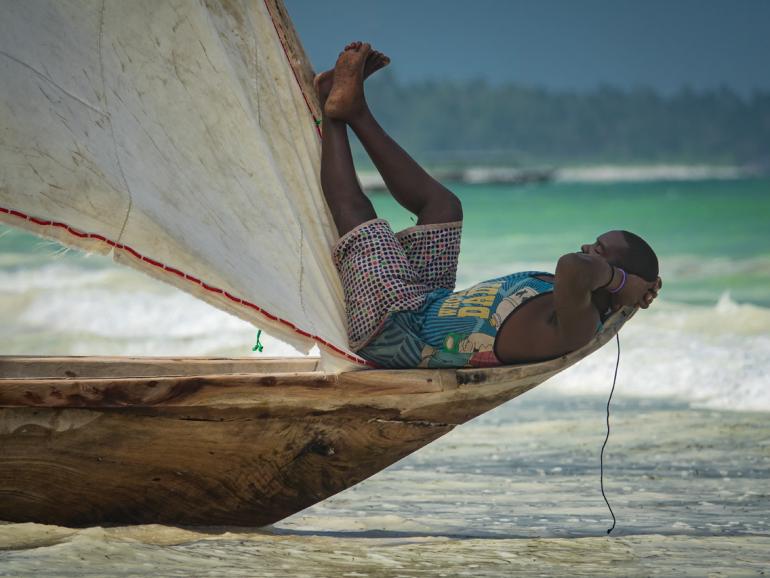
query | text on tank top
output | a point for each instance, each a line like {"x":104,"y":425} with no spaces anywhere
{"x":459,"y":329}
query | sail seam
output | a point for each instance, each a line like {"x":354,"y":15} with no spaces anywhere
{"x":112,"y":127}
{"x":186,"y":276}
{"x":99,"y":49}
{"x":302,"y":271}
{"x":52,"y":83}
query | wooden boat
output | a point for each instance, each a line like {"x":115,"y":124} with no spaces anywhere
{"x":197,"y":441}
{"x":127,"y":125}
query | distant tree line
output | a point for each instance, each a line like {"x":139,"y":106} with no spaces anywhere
{"x":448,"y":122}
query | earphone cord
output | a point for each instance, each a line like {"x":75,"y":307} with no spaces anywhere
{"x":601,"y":457}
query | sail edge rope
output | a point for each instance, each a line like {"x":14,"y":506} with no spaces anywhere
{"x":187,"y":277}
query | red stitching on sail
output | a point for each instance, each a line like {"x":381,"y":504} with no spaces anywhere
{"x":214,"y":289}
{"x":152,"y":262}
{"x":320,"y":134}
{"x":190,"y":277}
{"x":233,"y":298}
{"x":195,"y":280}
{"x":129,"y":250}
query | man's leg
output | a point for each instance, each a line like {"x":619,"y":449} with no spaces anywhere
{"x":407,"y":181}
{"x":348,"y":204}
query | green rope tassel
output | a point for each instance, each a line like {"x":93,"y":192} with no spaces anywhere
{"x":258,"y":345}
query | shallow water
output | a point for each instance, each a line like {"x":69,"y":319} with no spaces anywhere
{"x":89,"y":553}
{"x":516,"y":490}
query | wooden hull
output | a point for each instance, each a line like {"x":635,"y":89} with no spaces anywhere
{"x":87,"y":441}
{"x":191,"y":467}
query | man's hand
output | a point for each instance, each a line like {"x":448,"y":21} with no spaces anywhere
{"x":637,"y":292}
{"x":651,"y":294}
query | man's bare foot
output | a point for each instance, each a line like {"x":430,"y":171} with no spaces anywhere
{"x":346,"y":98}
{"x":323,"y":82}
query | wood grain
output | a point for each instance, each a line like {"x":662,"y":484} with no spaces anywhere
{"x":246,"y":449}
{"x":233,"y":468}
{"x":113,"y":367}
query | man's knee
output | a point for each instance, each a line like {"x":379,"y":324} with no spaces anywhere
{"x":357,"y":210}
{"x":455,"y":207}
{"x":444,"y":208}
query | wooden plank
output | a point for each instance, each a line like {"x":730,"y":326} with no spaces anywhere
{"x":246,"y":389}
{"x":81,"y":467}
{"x":314,"y":391}
{"x":23,"y":367}
{"x":400,"y":380}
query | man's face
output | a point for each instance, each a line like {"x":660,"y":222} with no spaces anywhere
{"x":609,"y":246}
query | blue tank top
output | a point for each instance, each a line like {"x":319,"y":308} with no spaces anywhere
{"x":454,"y":329}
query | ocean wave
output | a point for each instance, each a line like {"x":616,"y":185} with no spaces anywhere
{"x":686,"y":267}
{"x":712,"y":357}
{"x":708,"y":355}
{"x":619,"y":173}
{"x":60,"y":276}
{"x":60,"y":309}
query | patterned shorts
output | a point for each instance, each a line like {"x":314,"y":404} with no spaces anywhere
{"x":383,"y":272}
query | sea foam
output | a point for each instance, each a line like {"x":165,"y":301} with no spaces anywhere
{"x":710,"y":356}
{"x":713,"y":356}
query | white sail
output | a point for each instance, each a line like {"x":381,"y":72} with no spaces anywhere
{"x":175,"y":135}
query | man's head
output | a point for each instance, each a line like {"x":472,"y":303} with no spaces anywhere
{"x":625,"y":250}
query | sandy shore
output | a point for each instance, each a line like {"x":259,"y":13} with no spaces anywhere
{"x":516,"y":491}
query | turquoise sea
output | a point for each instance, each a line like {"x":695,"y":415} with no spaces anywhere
{"x":515,"y":492}
{"x":711,"y":237}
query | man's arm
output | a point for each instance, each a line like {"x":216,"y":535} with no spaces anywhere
{"x":577,"y":276}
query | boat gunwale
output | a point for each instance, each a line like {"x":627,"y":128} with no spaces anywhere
{"x":35,"y":367}
{"x":249,"y":388}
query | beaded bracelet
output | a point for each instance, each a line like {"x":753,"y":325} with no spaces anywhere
{"x":612,"y":276}
{"x":622,"y":283}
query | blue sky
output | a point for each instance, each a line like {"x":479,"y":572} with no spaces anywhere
{"x":562,"y":44}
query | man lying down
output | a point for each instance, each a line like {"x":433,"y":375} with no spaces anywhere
{"x":401,"y":308}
